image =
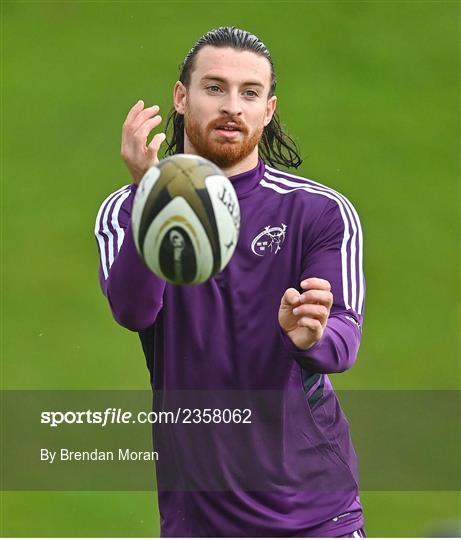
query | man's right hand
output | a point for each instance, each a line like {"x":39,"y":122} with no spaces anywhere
{"x":138,"y":156}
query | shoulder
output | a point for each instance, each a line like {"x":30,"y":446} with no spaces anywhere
{"x":320,"y":197}
{"x":284,"y":182}
{"x":115,"y":204}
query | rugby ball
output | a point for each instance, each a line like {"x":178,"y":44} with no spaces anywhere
{"x":185,"y":219}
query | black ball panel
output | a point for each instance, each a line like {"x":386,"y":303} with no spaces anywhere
{"x":153,"y":205}
{"x":177,"y":256}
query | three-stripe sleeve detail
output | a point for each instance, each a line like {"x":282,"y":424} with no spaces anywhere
{"x":352,"y":242}
{"x":108,"y":230}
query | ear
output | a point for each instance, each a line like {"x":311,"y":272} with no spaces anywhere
{"x":270,"y":110}
{"x":179,"y":97}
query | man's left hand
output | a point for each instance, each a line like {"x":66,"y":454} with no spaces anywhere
{"x":304,"y":316}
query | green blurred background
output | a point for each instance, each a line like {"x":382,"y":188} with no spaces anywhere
{"x":370,"y":90}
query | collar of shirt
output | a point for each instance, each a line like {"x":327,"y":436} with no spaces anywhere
{"x":244,"y":183}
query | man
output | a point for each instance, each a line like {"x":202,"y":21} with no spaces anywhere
{"x":285,"y":312}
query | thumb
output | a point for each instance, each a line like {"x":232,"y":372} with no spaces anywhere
{"x":290,"y":298}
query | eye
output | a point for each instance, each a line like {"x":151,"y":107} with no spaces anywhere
{"x":213,"y":88}
{"x":251,"y":93}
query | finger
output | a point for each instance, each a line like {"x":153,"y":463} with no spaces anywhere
{"x":290,"y":297}
{"x":316,"y":283}
{"x":313,"y":311}
{"x":312,"y":324}
{"x":134,"y":111}
{"x":154,"y":145}
{"x":317,"y":297}
{"x":144,"y":129}
{"x":135,"y":143}
{"x":142,"y":116}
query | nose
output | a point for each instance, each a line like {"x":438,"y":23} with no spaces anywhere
{"x":230,"y":105}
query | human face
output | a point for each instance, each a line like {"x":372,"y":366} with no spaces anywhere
{"x":226,"y":106}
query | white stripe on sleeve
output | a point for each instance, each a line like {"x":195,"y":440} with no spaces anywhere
{"x":357,"y":298}
{"x":116,"y":226}
{"x":102,"y":232}
{"x":348,"y":271}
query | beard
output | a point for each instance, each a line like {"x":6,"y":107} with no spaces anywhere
{"x":224,"y":153}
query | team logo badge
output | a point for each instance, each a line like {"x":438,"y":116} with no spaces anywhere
{"x":269,"y":240}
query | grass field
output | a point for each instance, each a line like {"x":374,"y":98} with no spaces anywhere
{"x":370,"y":90}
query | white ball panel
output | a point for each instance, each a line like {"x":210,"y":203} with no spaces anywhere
{"x":178,"y":213}
{"x":192,"y":157}
{"x":144,"y":188}
{"x":227,"y":211}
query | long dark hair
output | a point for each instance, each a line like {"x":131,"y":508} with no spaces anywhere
{"x":276,"y":147}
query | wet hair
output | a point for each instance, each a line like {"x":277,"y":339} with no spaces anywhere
{"x":276,"y":146}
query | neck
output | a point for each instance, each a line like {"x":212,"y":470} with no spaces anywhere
{"x":246,"y":164}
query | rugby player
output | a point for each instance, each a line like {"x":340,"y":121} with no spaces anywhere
{"x":286,"y":311}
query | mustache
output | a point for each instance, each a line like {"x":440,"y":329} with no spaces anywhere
{"x":222,"y":121}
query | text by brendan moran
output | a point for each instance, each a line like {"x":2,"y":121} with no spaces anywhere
{"x":122,"y":454}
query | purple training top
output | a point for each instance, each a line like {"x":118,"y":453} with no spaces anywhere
{"x":300,"y":474}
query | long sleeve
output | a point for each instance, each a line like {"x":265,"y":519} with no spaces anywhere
{"x":134,"y":293}
{"x":333,"y":251}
